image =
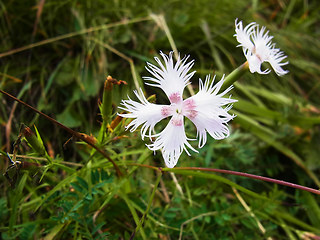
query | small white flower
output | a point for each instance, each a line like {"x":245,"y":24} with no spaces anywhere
{"x":205,"y":109}
{"x":258,"y":48}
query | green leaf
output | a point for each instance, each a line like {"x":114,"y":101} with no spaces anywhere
{"x":268,"y":136}
{"x":54,"y":231}
{"x":78,"y":187}
{"x":312,"y":207}
{"x":83,"y":183}
{"x":69,"y":118}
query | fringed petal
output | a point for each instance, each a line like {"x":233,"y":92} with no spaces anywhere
{"x":208,"y":114}
{"x":275,"y":59}
{"x":143,"y":113}
{"x":171,"y":78}
{"x":243,"y":34}
{"x":172,"y":141}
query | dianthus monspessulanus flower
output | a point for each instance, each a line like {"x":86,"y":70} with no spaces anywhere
{"x":204,"y":109}
{"x":258,"y":48}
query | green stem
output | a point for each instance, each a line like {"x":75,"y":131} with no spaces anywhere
{"x":235,"y":75}
{"x":143,"y":218}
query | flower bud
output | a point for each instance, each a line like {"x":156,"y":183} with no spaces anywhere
{"x":106,"y":106}
{"x":34,"y":141}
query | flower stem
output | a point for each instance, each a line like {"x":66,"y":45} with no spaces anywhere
{"x":248,"y":175}
{"x":235,"y":75}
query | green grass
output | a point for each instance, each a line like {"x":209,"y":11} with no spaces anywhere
{"x":56,"y":58}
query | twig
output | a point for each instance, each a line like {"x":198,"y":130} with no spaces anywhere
{"x":248,"y":209}
{"x":8,"y":126}
{"x":195,"y":218}
{"x":45,"y":160}
{"x":176,"y":183}
{"x":161,"y":22}
{"x":72,"y":132}
{"x":120,"y":54}
{"x":164,"y":191}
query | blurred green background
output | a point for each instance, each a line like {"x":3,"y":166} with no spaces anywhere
{"x":55,"y":55}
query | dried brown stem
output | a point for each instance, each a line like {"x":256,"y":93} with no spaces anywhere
{"x":72,"y":132}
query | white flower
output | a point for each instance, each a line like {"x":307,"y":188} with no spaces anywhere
{"x":205,"y":109}
{"x":258,"y":48}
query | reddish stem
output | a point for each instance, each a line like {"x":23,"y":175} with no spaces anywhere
{"x":248,"y":175}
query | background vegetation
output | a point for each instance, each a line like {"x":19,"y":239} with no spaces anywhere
{"x":68,"y":49}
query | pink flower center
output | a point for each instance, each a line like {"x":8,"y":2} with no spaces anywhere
{"x":165,"y":111}
{"x":189,"y":104}
{"x":254,"y":51}
{"x":176,"y":121}
{"x":175,"y":97}
{"x":191,"y":114}
{"x":189,"y":107}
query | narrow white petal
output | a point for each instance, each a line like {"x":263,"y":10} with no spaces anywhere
{"x":243,"y":34}
{"x":275,"y":60}
{"x":172,"y":141}
{"x":171,"y":78}
{"x":262,"y":42}
{"x":255,"y":65}
{"x":143,"y":113}
{"x":205,"y":110}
